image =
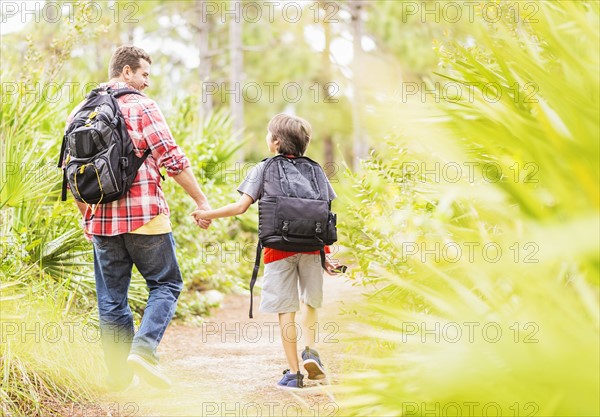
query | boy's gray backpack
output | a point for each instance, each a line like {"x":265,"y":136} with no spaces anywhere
{"x":294,"y":210}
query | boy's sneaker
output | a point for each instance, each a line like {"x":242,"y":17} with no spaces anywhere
{"x":312,"y":363}
{"x":148,"y":369}
{"x":291,"y":381}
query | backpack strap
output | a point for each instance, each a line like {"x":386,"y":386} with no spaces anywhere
{"x":63,"y":148}
{"x":93,"y":93}
{"x":323,"y":258}
{"x":139,"y":161}
{"x":259,"y":248}
{"x":267,"y":161}
{"x":63,"y":194}
{"x":116,"y":94}
{"x":122,"y":92}
{"x":61,"y":159}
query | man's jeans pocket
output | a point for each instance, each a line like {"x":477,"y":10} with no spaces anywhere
{"x":100,"y":241}
{"x":147,"y":242}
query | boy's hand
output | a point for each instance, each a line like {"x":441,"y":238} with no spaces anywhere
{"x":333,"y":268}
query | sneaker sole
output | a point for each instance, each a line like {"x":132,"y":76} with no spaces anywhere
{"x":315,"y":371}
{"x":147,"y":372}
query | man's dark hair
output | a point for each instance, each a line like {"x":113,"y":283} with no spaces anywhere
{"x":293,"y":133}
{"x":126,"y":55}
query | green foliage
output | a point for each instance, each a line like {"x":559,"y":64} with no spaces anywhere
{"x":46,"y":360}
{"x":45,"y":275}
{"x":43,"y":250}
{"x":412,"y":223}
{"x":411,"y":39}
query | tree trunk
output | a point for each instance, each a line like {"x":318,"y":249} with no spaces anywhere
{"x":359,"y":142}
{"x":327,"y":76}
{"x":235,"y":78}
{"x":205,"y":69}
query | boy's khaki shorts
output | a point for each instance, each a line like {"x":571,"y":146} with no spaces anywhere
{"x":283,"y":279}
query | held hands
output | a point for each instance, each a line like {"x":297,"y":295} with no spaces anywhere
{"x":199,"y":216}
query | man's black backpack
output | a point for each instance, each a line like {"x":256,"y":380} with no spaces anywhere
{"x":294,"y":211}
{"x":99,"y":160}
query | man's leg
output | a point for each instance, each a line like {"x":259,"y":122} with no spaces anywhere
{"x":154,"y":256}
{"x":112,"y":270}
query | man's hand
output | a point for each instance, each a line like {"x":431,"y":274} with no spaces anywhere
{"x":82,"y":209}
{"x":199,"y":215}
{"x":187,"y":180}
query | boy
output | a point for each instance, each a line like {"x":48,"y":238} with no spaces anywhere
{"x":286,"y":272}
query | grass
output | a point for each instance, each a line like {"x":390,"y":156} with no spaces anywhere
{"x":449,"y":322}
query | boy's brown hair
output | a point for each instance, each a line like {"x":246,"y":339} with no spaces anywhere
{"x":127,"y":55}
{"x":293,"y":133}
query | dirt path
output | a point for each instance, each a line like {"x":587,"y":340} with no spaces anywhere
{"x":231,"y":364}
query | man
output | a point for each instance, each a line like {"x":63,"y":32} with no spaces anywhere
{"x":135,"y":230}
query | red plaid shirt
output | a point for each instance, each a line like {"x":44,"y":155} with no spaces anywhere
{"x":145,"y":200}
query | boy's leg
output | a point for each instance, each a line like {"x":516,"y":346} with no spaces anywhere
{"x":280,"y":295}
{"x":289,"y":337}
{"x":311,"y":295}
{"x":311,"y":362}
{"x":310,"y":330}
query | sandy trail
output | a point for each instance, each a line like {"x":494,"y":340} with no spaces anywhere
{"x":231,"y":364}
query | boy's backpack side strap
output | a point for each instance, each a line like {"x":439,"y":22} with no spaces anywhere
{"x":255,"y":273}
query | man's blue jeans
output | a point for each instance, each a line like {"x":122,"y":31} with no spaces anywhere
{"x":114,"y":257}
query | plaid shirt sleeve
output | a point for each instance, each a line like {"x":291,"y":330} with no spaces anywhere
{"x":156,"y":132}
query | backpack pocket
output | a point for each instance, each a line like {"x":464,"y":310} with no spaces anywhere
{"x":87,"y":141}
{"x":290,"y":218}
{"x":331,"y":231}
{"x":267,"y":212}
{"x":301,"y":217}
{"x":93,"y":179}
